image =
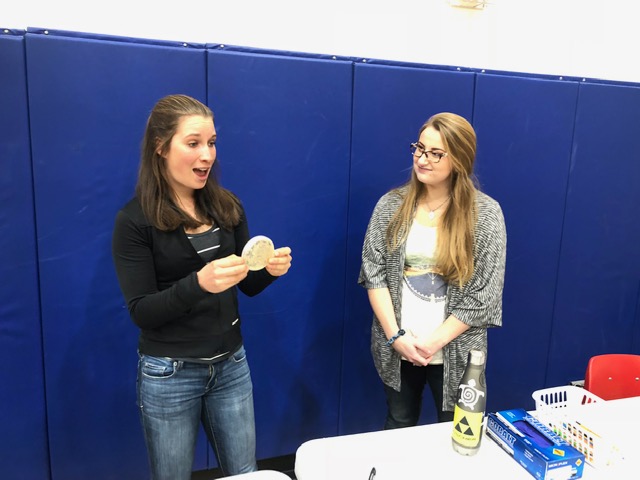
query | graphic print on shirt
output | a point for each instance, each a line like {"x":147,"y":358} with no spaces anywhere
{"x":424,"y":291}
{"x":424,"y":280}
{"x":421,"y":274}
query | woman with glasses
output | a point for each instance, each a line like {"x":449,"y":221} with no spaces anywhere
{"x":433,"y":264}
{"x":177,"y":248}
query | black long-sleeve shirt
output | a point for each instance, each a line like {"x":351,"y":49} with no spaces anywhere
{"x":157,"y":273}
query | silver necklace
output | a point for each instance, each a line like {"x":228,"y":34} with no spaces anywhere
{"x":432,"y":212}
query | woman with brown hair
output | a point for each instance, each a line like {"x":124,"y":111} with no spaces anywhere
{"x":177,"y":248}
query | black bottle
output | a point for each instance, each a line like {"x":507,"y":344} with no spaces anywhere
{"x":468,"y":414}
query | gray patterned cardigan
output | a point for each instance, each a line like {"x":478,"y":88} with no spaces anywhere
{"x":478,"y":303}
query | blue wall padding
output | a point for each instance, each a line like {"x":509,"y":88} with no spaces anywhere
{"x":89,"y":103}
{"x":390,"y":105}
{"x":283,"y":146}
{"x":599,"y":277}
{"x":23,"y":437}
{"x":309,"y":143}
{"x":524,"y":128}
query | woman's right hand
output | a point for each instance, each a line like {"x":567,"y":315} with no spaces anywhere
{"x":221,"y":274}
{"x":406,"y":346}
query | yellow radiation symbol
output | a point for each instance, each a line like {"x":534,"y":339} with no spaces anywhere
{"x":467,"y":427}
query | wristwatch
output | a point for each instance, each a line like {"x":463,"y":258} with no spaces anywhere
{"x":395,"y":337}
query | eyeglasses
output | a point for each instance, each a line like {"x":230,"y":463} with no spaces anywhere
{"x":434,"y":157}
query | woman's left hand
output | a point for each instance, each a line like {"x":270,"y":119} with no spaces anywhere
{"x":280,"y":263}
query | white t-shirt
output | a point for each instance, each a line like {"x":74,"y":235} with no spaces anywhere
{"x":424,"y":290}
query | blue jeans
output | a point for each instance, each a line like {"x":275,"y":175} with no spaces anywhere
{"x":404,"y":407}
{"x":175,"y":396}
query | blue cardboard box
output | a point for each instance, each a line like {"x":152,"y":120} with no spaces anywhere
{"x":534,"y":446}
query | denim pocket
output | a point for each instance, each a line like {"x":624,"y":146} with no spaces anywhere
{"x":158,"y":367}
{"x":239,"y":355}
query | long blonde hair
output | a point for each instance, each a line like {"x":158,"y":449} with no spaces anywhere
{"x":454,"y":249}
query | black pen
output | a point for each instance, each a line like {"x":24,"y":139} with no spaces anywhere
{"x":373,"y":473}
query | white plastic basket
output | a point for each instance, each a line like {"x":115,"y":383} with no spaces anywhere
{"x":560,"y":408}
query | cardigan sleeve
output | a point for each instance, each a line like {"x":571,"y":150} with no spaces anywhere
{"x":479,"y":302}
{"x":373,"y":269}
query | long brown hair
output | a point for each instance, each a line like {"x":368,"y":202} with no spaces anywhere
{"x":454,"y":249}
{"x":158,"y":201}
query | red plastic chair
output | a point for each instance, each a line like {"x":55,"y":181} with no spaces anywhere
{"x":613,"y":375}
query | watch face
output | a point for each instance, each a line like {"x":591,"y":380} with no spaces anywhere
{"x":257,"y":252}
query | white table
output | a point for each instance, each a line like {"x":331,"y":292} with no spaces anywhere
{"x":262,"y":475}
{"x":426,"y":452}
